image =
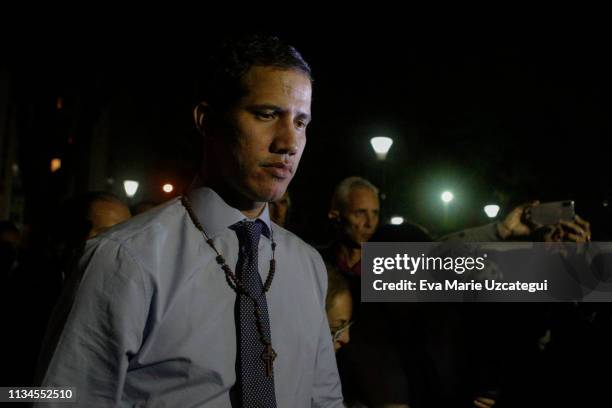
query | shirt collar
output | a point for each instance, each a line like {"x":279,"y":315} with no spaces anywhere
{"x":216,"y":216}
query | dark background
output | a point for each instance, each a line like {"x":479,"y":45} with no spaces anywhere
{"x":493,"y":118}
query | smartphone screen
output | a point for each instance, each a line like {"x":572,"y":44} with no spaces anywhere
{"x":553,"y":212}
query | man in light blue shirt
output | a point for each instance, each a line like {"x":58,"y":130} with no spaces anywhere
{"x":155,"y":320}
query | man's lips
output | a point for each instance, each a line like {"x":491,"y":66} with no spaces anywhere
{"x":279,"y":169}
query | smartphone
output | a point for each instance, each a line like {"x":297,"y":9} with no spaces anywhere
{"x":553,"y":212}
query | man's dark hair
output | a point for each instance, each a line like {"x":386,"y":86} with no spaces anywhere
{"x":221,"y":84}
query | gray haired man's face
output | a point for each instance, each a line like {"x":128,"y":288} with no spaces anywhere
{"x":359,"y":217}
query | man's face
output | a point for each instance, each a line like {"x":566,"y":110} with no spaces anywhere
{"x":359,"y":217}
{"x":268,"y":133}
{"x":339,"y":316}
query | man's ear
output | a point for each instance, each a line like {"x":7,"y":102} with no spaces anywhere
{"x":201,"y":116}
{"x":334,"y":215}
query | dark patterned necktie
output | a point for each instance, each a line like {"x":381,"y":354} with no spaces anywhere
{"x":255,"y":388}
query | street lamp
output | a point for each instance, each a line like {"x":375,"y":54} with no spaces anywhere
{"x":491,"y":210}
{"x":168,"y":188}
{"x":397,"y":220}
{"x":381,"y":146}
{"x":447,"y":197}
{"x":130,"y":187}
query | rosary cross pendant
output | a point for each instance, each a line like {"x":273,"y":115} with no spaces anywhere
{"x":268,"y":357}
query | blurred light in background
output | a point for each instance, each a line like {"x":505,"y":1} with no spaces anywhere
{"x":130,"y":187}
{"x":491,"y":210}
{"x":397,"y":220}
{"x":447,"y":196}
{"x":381,"y":146}
{"x":56,"y":164}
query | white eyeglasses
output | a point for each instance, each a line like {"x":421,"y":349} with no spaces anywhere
{"x":337,"y":332}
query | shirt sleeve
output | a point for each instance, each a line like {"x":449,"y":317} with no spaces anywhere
{"x":103,"y":329}
{"x":327,"y":391}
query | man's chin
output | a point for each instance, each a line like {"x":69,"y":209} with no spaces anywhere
{"x":269,"y":195}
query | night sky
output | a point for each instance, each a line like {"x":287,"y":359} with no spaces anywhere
{"x":493,"y":119}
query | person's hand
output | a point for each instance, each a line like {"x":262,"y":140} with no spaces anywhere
{"x":548,"y":233}
{"x":516,"y":223}
{"x":578,"y":230}
{"x":482,"y":402}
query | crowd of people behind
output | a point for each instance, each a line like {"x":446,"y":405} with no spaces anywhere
{"x":389,"y":355}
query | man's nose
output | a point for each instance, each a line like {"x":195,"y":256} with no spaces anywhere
{"x":370,"y":221}
{"x":286,"y":138}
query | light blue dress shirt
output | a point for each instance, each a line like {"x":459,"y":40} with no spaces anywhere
{"x":153,"y":319}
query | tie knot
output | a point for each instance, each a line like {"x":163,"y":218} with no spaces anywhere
{"x":248,"y":233}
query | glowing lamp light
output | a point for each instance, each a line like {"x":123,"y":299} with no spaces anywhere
{"x":56,"y":164}
{"x":491,"y":210}
{"x":130,"y":187}
{"x":397,"y":220}
{"x":447,"y":197}
{"x":381,"y":146}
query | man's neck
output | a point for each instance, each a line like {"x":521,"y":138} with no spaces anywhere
{"x":254,"y":213}
{"x":248,"y":208}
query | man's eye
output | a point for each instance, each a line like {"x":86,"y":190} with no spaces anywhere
{"x":301,"y":124}
{"x":265,"y":115}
